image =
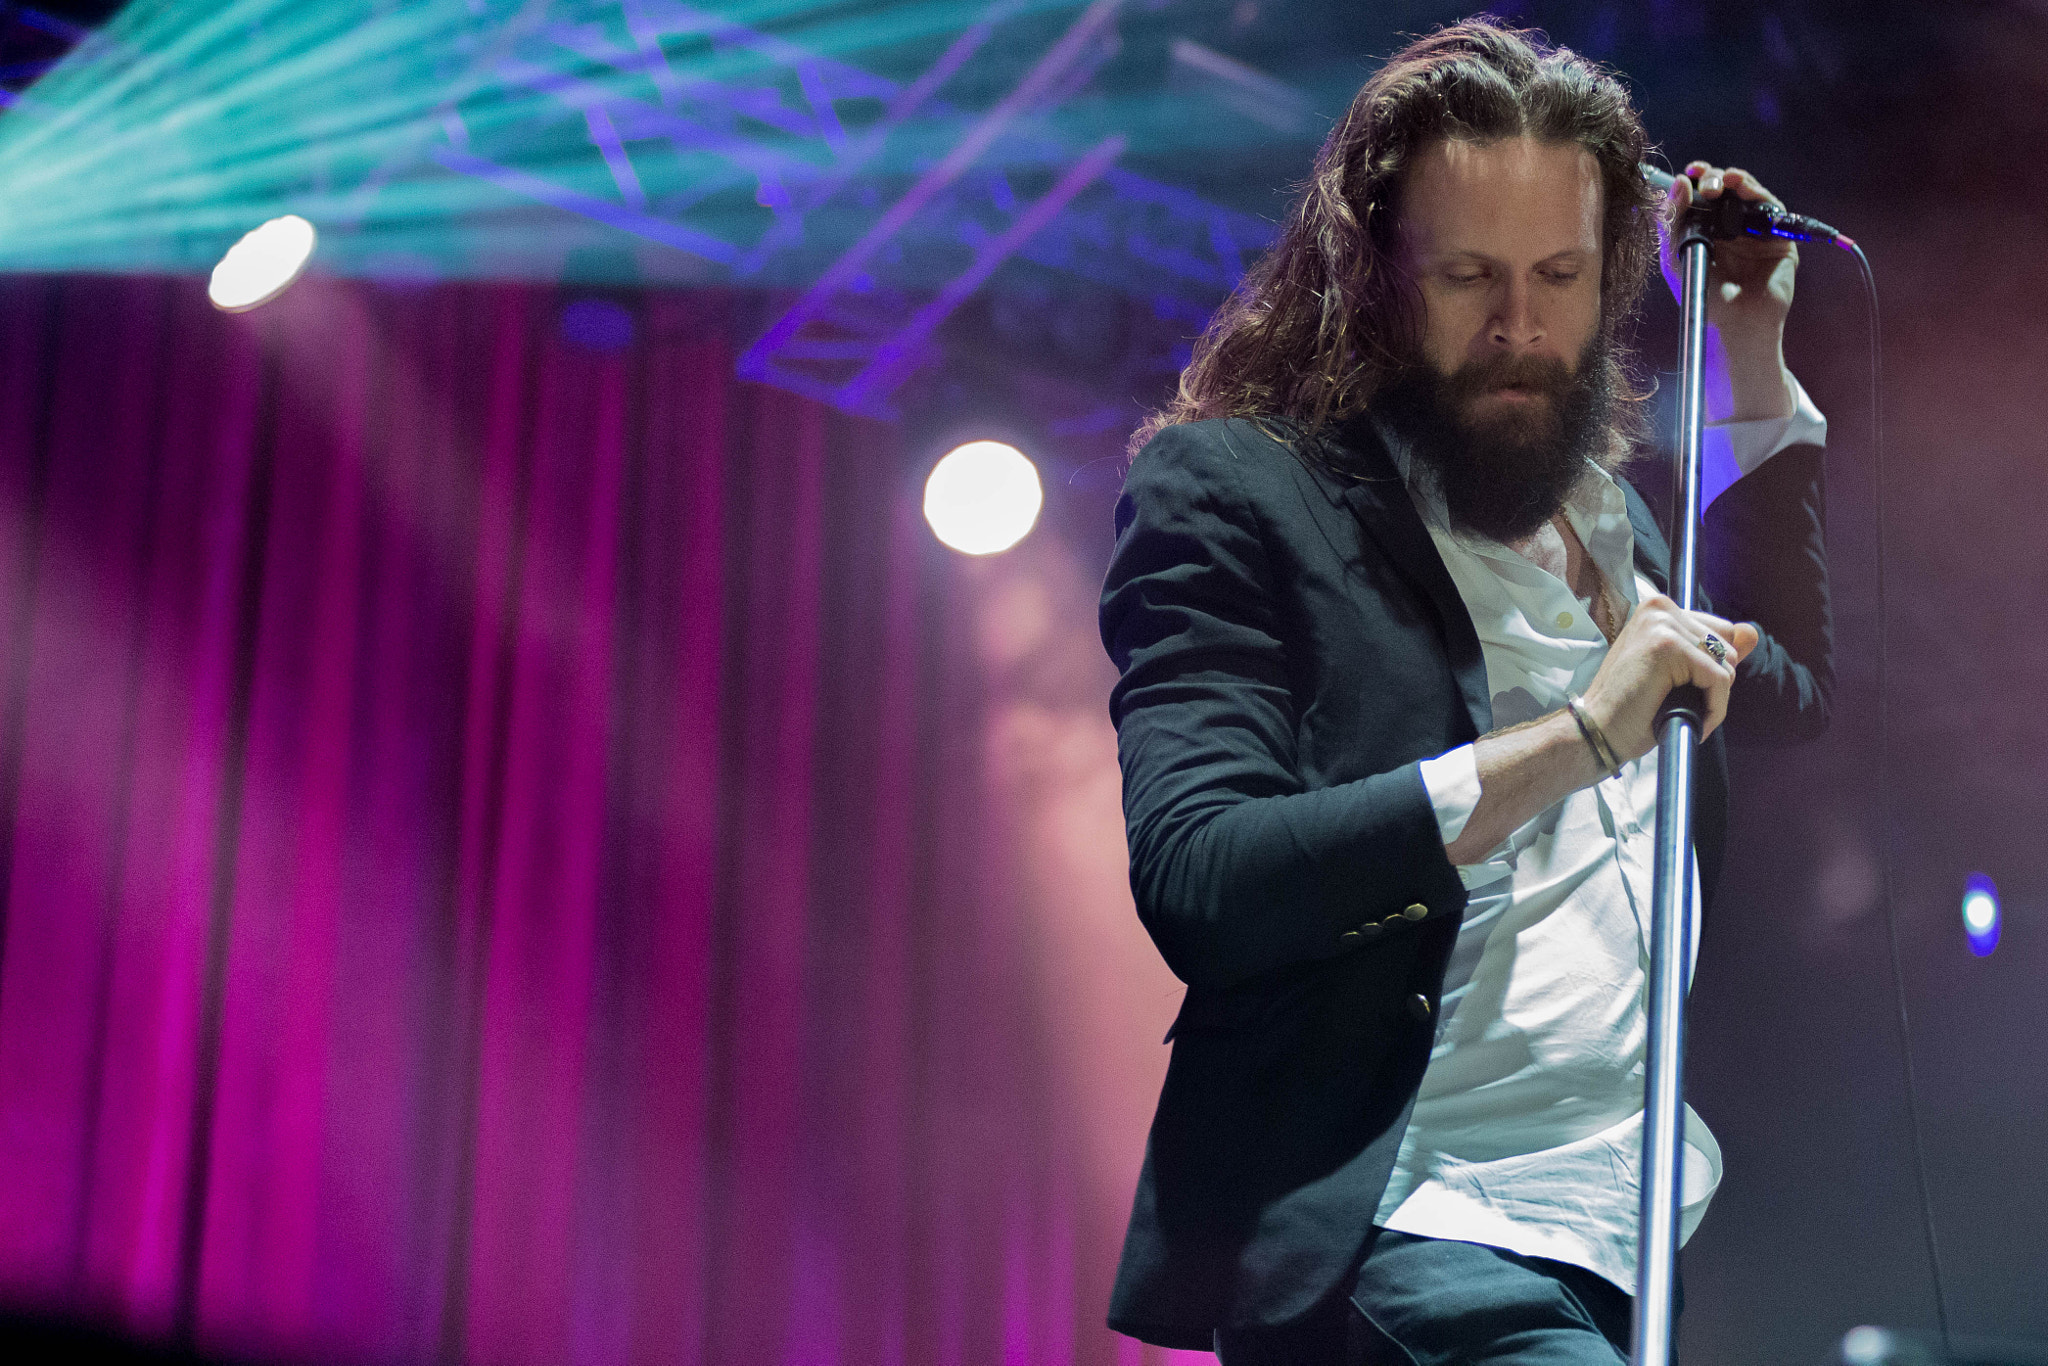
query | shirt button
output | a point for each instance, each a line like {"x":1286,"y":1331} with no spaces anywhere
{"x":1418,"y":1006}
{"x":1564,"y":619}
{"x":1416,"y":911}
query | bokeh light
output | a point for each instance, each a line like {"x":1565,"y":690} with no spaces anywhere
{"x":1980,"y":914}
{"x":983,"y":497}
{"x":1867,"y":1346}
{"x":263,"y":264}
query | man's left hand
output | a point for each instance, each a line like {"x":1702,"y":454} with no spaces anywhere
{"x":1749,"y":292}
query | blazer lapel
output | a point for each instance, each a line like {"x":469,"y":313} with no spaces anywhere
{"x":1381,"y":502}
{"x":1653,"y":552}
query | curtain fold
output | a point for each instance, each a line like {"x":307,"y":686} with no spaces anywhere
{"x":507,"y":855}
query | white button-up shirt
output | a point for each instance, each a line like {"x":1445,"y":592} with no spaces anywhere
{"x":1527,"y":1129}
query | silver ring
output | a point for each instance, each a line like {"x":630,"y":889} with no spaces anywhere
{"x":1713,"y":646}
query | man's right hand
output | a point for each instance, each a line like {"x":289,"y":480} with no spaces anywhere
{"x":1661,"y":648}
{"x":1524,"y":769}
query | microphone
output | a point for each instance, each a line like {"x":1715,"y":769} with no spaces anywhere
{"x":1730,"y":216}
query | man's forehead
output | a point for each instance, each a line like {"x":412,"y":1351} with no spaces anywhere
{"x":1516,"y":194}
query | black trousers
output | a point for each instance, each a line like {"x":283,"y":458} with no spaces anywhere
{"x":1432,"y":1302}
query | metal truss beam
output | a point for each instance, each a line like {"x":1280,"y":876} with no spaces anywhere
{"x":768,"y":120}
{"x":781,"y":357}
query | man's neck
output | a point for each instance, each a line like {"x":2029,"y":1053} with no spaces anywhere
{"x":1555,"y":548}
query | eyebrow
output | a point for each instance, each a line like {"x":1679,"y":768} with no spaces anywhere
{"x":1450,"y":253}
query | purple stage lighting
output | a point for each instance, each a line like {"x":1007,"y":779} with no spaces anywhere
{"x":597,"y":325}
{"x":1980,"y":914}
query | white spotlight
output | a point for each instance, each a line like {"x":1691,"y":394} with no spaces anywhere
{"x":1867,"y":1346}
{"x":983,"y":497}
{"x":262,"y":265}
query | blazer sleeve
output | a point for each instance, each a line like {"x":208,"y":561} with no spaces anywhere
{"x":1767,"y":562}
{"x":1237,"y":869}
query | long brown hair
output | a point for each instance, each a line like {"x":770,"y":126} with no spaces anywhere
{"x":1322,"y":319}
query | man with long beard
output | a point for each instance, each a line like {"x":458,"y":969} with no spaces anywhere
{"x":1393,"y":634}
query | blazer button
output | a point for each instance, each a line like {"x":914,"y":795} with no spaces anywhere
{"x":1418,"y":1006}
{"x":1415,"y":911}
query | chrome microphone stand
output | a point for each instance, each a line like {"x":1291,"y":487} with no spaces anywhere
{"x":1671,"y":883}
{"x":1679,"y":725}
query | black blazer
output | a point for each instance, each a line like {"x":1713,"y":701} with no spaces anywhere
{"x":1291,"y":647}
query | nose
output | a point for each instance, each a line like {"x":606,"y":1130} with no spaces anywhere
{"x":1515,"y":325}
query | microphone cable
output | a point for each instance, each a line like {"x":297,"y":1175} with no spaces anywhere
{"x":1885,"y":821}
{"x":1766,"y":220}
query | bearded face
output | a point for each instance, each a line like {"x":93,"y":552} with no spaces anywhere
{"x":1504,"y":438}
{"x":1509,"y":387}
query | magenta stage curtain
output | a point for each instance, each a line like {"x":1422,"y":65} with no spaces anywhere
{"x":517,"y":852}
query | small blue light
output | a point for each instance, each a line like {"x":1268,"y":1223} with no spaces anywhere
{"x":1980,"y":914}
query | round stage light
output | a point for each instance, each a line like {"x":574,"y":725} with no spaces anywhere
{"x":1980,"y":914}
{"x":1868,"y":1346}
{"x":263,"y":264}
{"x":983,"y":497}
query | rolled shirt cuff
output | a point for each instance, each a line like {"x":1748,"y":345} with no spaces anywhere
{"x":1452,"y":781}
{"x":1732,"y":449}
